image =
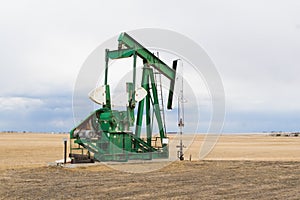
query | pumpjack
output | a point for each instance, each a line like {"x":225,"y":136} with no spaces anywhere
{"x":113,"y":135}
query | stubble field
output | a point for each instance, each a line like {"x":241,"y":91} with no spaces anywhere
{"x":239,"y":167}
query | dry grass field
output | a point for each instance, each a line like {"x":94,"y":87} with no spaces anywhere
{"x":239,"y":167}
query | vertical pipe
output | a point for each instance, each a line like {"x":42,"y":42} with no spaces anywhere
{"x":65,"y":151}
{"x":181,"y":116}
{"x":134,"y":73}
{"x":139,"y":120}
{"x":156,"y":107}
{"x":108,"y":103}
{"x":148,"y":119}
{"x":106,"y":66}
{"x":148,"y":111}
{"x":107,"y":97}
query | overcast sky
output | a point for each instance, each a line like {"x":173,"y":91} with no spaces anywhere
{"x":255,"y":46}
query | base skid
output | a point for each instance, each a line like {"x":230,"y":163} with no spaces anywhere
{"x":118,"y":147}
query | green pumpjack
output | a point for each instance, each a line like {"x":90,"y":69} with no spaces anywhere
{"x":105,"y":135}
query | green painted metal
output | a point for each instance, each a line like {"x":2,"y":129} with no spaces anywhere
{"x":148,"y":114}
{"x":151,"y":59}
{"x":109,"y":140}
{"x":108,"y":102}
{"x":106,"y":133}
{"x":145,"y":54}
{"x":172,"y":85}
{"x":156,"y":108}
{"x":134,"y":74}
{"x":121,"y":53}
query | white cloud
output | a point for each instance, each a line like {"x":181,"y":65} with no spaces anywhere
{"x":19,"y":104}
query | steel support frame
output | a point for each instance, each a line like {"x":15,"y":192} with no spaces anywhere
{"x":147,"y":81}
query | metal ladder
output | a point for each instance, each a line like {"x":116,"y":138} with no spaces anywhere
{"x":157,"y":76}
